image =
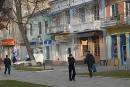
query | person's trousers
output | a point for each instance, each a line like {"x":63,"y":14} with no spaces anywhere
{"x":90,"y":70}
{"x":72,"y":73}
{"x":7,"y":68}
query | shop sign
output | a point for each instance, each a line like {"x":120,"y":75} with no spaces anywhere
{"x":61,"y":38}
{"x":84,"y":42}
{"x":8,"y":42}
{"x":48,"y":42}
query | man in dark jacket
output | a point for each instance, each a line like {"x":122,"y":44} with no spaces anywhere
{"x":71,"y":67}
{"x":90,"y":61}
{"x":7,"y":63}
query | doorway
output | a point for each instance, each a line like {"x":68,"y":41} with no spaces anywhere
{"x":123,"y":48}
{"x":124,"y":58}
{"x":47,"y":53}
{"x":114,"y":49}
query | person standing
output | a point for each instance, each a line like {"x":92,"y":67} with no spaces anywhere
{"x":71,"y":67}
{"x":90,"y":60}
{"x":14,"y":58}
{"x":7,"y":63}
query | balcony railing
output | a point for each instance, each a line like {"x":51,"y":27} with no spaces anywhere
{"x":110,"y":21}
{"x":64,"y":28}
{"x":67,"y":4}
{"x":89,"y":26}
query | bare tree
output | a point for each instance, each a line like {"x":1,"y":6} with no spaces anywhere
{"x":32,"y":6}
{"x":21,"y":25}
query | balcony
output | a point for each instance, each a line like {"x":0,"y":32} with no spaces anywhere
{"x":89,"y":26}
{"x":79,"y":2}
{"x":61,"y":29}
{"x":109,"y":21}
{"x":59,"y":6}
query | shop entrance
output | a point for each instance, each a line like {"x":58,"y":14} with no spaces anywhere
{"x":114,"y":49}
{"x":91,"y":44}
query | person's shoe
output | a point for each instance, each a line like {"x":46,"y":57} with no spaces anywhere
{"x":70,"y":79}
{"x":4,"y":73}
{"x":74,"y":80}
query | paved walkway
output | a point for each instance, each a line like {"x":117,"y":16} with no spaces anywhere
{"x":59,"y":78}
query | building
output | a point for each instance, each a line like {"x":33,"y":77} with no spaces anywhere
{"x":40,"y":42}
{"x":75,"y":28}
{"x":116,"y":24}
{"x":11,"y":31}
{"x":7,"y":42}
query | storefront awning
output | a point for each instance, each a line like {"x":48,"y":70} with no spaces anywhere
{"x":89,"y":34}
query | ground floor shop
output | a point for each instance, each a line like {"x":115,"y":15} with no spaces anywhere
{"x":118,"y":45}
{"x":92,"y":41}
{"x":63,"y":45}
{"x":8,"y":48}
{"x":77,"y":44}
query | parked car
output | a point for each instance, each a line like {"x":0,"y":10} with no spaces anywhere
{"x":39,"y":58}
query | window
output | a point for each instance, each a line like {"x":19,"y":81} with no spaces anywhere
{"x":96,"y":46}
{"x":56,"y":19}
{"x":127,"y":8}
{"x":114,"y":11}
{"x":46,"y":26}
{"x":96,"y":49}
{"x":96,"y":11}
{"x":47,"y":52}
{"x":31,"y":32}
{"x":82,"y":14}
{"x":40,"y":27}
{"x":68,"y":16}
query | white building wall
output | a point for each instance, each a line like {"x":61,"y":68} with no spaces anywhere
{"x":75,"y":22}
{"x":35,"y":29}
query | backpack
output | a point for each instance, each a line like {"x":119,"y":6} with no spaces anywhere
{"x":94,"y":68}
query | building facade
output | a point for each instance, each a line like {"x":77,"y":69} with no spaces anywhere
{"x":11,"y":31}
{"x":76,"y":27}
{"x":116,"y":24}
{"x":7,"y":41}
{"x":40,"y":42}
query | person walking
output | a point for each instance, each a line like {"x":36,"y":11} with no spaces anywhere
{"x":7,"y":63}
{"x":71,"y":67}
{"x":90,"y":61}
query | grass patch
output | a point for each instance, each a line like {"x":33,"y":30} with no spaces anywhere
{"x":27,"y":68}
{"x":13,"y":83}
{"x":117,"y":74}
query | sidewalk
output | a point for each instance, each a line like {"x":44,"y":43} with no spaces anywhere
{"x":59,"y":78}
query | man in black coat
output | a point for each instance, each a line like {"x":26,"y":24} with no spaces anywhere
{"x":71,"y":67}
{"x":89,"y":60}
{"x":7,"y":63}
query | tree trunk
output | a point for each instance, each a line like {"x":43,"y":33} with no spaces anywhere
{"x":22,"y":28}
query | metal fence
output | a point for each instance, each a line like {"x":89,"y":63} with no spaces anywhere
{"x":108,"y":68}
